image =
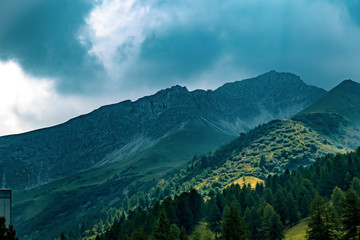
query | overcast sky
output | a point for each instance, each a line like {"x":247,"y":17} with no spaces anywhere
{"x":62,"y":58}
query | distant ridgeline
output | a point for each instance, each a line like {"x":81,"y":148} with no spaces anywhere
{"x":262,"y":212}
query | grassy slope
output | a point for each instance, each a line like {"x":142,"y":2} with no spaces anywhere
{"x":203,"y":232}
{"x":287,"y":144}
{"x":297,"y":232}
{"x":62,"y":204}
{"x":246,"y":180}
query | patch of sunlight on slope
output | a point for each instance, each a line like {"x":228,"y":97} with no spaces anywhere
{"x":247,"y":180}
{"x":297,"y":232}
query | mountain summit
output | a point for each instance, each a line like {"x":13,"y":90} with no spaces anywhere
{"x":117,"y":132}
{"x":336,"y":114}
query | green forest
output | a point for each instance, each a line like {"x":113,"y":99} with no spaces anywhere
{"x":325,"y":193}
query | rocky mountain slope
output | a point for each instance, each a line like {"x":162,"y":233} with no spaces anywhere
{"x":117,"y":132}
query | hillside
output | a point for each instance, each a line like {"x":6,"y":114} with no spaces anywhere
{"x":78,"y":170}
{"x":336,"y":114}
{"x":323,"y":198}
{"x":268,"y":149}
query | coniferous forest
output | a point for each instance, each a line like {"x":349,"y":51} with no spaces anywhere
{"x":325,"y":193}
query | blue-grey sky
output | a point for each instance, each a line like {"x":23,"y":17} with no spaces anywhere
{"x":60,"y":58}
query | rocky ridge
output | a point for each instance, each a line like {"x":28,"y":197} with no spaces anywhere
{"x":116,"y":132}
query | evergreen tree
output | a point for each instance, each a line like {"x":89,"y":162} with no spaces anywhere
{"x":304,"y":201}
{"x":355,"y":184}
{"x":7,"y":233}
{"x":214,"y":218}
{"x":280,"y":206}
{"x":337,"y":198}
{"x":196,"y":235}
{"x":163,"y":230}
{"x":233,"y":225}
{"x":196,"y":204}
{"x":271,"y":227}
{"x":351,"y":214}
{"x":259,"y":188}
{"x":322,"y":222}
{"x":292,"y":209}
{"x":139,"y":235}
{"x":253,"y":217}
{"x":185,"y":216}
{"x":62,"y":236}
{"x":268,"y":195}
{"x":183,"y":234}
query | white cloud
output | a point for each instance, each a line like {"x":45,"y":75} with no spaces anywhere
{"x":116,"y":24}
{"x":116,"y":29}
{"x":28,"y":103}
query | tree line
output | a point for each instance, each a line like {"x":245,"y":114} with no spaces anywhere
{"x":326,"y":193}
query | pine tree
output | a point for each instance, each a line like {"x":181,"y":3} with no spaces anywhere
{"x":292,"y":209}
{"x":214,"y":218}
{"x":7,"y":233}
{"x":183,"y":234}
{"x":185,"y":216}
{"x":355,"y":184}
{"x":337,"y":197}
{"x":196,"y":235}
{"x":233,"y":225}
{"x":322,"y":222}
{"x":139,"y":235}
{"x":62,"y":236}
{"x":271,"y":227}
{"x":163,"y":230}
{"x":351,"y":214}
{"x":280,"y":206}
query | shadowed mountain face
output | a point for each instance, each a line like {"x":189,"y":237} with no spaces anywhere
{"x":117,"y":132}
{"x":336,"y":114}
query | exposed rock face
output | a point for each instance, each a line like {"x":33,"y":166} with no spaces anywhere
{"x":116,"y":132}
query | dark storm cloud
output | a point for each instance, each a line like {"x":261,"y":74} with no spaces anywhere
{"x":180,"y":53}
{"x":311,"y":38}
{"x":156,"y":44}
{"x":43,"y":39}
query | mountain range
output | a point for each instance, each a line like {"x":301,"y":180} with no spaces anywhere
{"x":78,"y":170}
{"x":118,"y":132}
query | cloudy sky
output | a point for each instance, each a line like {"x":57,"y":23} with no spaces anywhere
{"x":62,"y":58}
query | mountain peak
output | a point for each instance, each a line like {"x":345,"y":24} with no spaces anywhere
{"x":348,"y":85}
{"x":276,"y":73}
{"x":176,"y":89}
{"x":343,"y":100}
